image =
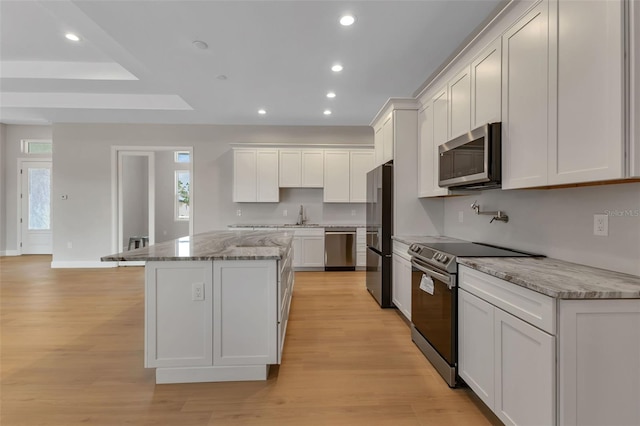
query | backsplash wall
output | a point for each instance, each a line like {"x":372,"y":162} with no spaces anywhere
{"x":557,"y":223}
{"x":290,"y":200}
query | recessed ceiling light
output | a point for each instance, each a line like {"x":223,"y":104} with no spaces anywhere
{"x":72,"y":37}
{"x":221,"y":77}
{"x":262,"y":111}
{"x":336,"y":68}
{"x":347,"y":20}
{"x":200,"y":44}
{"x":327,"y":112}
{"x":331,"y":95}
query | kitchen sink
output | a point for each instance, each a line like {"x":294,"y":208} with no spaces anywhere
{"x":293,"y":225}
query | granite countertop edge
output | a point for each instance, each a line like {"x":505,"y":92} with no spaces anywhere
{"x":213,"y":245}
{"x":558,"y":279}
{"x":291,"y":226}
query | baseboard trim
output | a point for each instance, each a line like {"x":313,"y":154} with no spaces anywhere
{"x":10,"y":253}
{"x":83,"y":264}
{"x":227,"y":373}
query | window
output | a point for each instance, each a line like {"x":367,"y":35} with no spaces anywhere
{"x":182,"y":157}
{"x":183,"y":194}
{"x":31,"y":146}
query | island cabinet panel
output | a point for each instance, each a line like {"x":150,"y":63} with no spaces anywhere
{"x":245,"y":312}
{"x":599,"y":362}
{"x":180,"y":333}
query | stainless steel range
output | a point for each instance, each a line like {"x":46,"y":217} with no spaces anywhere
{"x":434,"y":299}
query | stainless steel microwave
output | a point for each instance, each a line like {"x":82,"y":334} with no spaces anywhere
{"x":473,"y":160}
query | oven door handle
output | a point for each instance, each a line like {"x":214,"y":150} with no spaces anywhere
{"x":429,"y":272}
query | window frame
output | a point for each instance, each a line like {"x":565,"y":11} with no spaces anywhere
{"x":25,"y":143}
{"x":176,"y":157}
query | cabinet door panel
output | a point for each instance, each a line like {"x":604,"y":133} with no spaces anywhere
{"x":388,"y":139}
{"x":525,"y":366}
{"x":425,"y":151}
{"x":313,"y":251}
{"x":486,"y":86}
{"x":244,"y":176}
{"x":589,"y":144}
{"x":290,"y":168}
{"x":475,"y":345}
{"x":361,"y":162}
{"x":313,"y":168}
{"x":268,"y":190}
{"x":336,"y":176}
{"x":440,"y":136}
{"x":525,"y":100}
{"x":460,"y":104}
{"x":178,"y":329}
{"x":245,"y":312}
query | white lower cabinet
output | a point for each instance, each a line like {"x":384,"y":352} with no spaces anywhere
{"x":507,"y":362}
{"x":535,"y":360}
{"x":401,"y":279}
{"x":308,"y":247}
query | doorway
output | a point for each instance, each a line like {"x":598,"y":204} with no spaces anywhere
{"x":142,"y":181}
{"x":34,"y":207}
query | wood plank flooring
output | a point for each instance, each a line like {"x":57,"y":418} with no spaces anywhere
{"x":72,"y":353}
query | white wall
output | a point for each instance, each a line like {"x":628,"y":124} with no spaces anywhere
{"x":82,"y":169}
{"x":11,"y":141}
{"x":557,"y":223}
{"x":167,"y":228}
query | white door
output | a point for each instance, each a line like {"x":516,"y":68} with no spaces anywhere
{"x":35,"y":207}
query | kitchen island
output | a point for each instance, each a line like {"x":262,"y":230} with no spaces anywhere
{"x":216,"y":304}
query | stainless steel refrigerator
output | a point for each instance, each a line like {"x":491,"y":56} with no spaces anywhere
{"x":379,"y":231}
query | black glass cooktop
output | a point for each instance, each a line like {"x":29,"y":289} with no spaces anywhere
{"x":476,"y":250}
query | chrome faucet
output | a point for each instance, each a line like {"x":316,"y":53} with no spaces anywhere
{"x":301,"y":220}
{"x":497,"y":215}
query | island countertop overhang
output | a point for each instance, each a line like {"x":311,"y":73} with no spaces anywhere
{"x":213,"y":245}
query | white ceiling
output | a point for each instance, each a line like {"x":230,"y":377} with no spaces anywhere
{"x":136,"y":62}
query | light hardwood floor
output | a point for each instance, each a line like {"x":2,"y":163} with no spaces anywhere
{"x":72,"y":353}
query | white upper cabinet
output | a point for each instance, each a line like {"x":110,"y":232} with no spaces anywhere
{"x":525,"y":106}
{"x":590,"y":125}
{"x":427,"y":155}
{"x":336,"y":176}
{"x":312,"y":168}
{"x":255,"y":175}
{"x":345,"y":175}
{"x":486,"y":86}
{"x":301,"y":168}
{"x":290,"y":168}
{"x":387,"y":139}
{"x":440,"y":118}
{"x":360,"y":163}
{"x":634,"y":104}
{"x":378,"y":142}
{"x":460,"y":104}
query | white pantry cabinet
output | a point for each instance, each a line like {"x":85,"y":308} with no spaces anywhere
{"x":255,"y":175}
{"x":486,"y":86}
{"x":301,"y":168}
{"x":401,"y":279}
{"x":589,"y":47}
{"x":345,"y":175}
{"x":460,"y":103}
{"x":525,"y":100}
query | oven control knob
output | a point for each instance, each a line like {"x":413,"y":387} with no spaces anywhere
{"x":445,"y":259}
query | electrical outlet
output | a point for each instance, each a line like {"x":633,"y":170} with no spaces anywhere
{"x":238,"y":212}
{"x":601,"y":225}
{"x":197,"y":292}
{"x":353,"y":212}
{"x":460,"y":217}
{"x":284,"y":212}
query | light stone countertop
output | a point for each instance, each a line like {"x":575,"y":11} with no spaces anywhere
{"x":557,"y":278}
{"x":214,"y":245}
{"x":425,"y":239}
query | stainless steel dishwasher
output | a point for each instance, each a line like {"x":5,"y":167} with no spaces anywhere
{"x":340,"y":249}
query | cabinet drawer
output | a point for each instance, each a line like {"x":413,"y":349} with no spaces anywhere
{"x":535,"y":308}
